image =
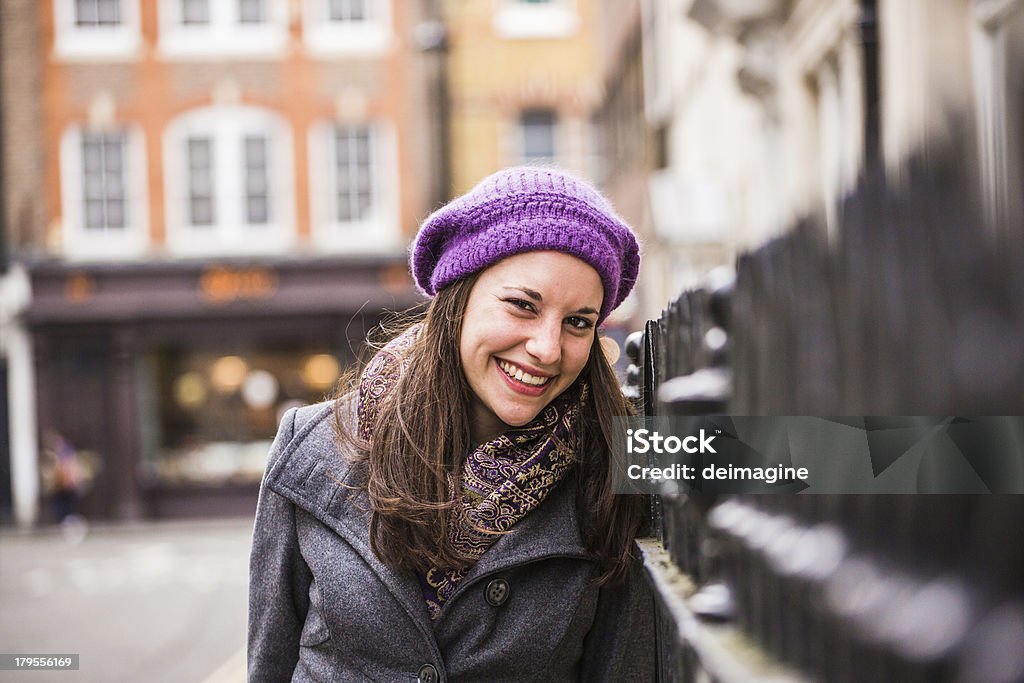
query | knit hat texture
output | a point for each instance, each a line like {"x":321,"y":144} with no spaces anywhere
{"x":525,"y":209}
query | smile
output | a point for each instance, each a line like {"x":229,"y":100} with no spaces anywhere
{"x":520,"y":375}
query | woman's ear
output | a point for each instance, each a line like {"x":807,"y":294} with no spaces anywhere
{"x":610,"y":348}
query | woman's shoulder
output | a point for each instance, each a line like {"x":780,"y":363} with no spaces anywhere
{"x":310,"y":432}
{"x":312,"y":414}
{"x":323,"y":414}
{"x":309,"y":461}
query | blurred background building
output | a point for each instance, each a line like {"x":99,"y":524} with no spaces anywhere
{"x":207,"y":207}
{"x":523,"y":85}
{"x":723,"y":122}
{"x":206,"y":204}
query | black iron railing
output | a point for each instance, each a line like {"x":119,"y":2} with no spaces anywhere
{"x":915,"y":310}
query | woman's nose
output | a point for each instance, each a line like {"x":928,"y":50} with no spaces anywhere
{"x":545,"y":343}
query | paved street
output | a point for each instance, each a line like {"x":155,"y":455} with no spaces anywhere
{"x":142,"y":602}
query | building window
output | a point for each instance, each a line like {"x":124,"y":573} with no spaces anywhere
{"x":229,"y":175}
{"x":347,"y":10}
{"x":104,"y":183}
{"x":257,"y":180}
{"x":102,"y":192}
{"x":91,"y":29}
{"x":201,"y":28}
{"x":199,"y":151}
{"x":195,"y":12}
{"x":353,"y":173}
{"x":252,"y":11}
{"x":353,"y":203}
{"x":538,"y":129}
{"x":535,"y":19}
{"x":347,"y":26}
{"x":97,"y":12}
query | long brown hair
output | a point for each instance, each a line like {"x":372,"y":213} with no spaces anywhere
{"x":421,"y":435}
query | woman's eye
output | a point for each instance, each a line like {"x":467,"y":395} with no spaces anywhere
{"x":521,"y":304}
{"x":580,"y":323}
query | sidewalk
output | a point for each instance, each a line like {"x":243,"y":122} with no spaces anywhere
{"x":147,"y":601}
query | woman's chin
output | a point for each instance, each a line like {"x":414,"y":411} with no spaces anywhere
{"x":518,"y":418}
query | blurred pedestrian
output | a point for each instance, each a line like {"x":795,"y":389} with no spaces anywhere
{"x":66,"y":478}
{"x":451,"y":517}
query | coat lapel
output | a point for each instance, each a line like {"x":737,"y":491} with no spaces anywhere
{"x":313,"y":474}
{"x":549,"y":531}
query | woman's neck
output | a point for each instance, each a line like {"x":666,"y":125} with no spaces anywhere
{"x":485,"y":426}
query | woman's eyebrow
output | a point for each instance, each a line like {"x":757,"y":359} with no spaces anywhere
{"x":536,"y":296}
{"x":532,"y":293}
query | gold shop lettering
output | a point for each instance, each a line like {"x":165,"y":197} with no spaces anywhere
{"x":223,"y":285}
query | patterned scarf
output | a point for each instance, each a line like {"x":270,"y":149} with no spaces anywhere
{"x":502,"y":480}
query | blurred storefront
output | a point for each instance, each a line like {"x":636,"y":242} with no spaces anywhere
{"x":206,"y":205}
{"x":170,"y":378}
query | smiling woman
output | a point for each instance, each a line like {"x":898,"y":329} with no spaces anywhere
{"x":524,"y":344}
{"x":451,"y":516}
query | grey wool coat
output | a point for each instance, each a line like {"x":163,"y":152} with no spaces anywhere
{"x":323,"y":607}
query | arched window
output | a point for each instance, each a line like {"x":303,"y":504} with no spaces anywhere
{"x":229,"y":182}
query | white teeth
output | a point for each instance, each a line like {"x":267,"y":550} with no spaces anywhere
{"x":521,"y":376}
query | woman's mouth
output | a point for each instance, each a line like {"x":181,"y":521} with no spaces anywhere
{"x":517,"y":374}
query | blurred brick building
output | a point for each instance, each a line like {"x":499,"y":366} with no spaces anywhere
{"x":211,"y":201}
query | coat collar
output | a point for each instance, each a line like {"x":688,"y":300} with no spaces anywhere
{"x":314,"y":473}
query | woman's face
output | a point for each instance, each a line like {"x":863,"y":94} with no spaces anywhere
{"x":527,"y":331}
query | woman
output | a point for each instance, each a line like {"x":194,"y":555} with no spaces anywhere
{"x":452,"y":518}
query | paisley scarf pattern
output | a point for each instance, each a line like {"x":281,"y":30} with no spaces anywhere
{"x":502,"y":480}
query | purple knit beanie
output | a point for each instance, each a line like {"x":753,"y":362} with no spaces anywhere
{"x":524,"y":209}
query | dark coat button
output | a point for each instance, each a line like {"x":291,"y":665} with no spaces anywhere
{"x":497,"y":592}
{"x":428,"y":674}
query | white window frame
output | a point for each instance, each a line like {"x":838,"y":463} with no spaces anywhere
{"x":519,"y":20}
{"x":322,"y":36}
{"x":380,"y":231}
{"x":97,"y":244}
{"x":225,"y":35}
{"x":121,"y":41}
{"x":230,"y":233}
